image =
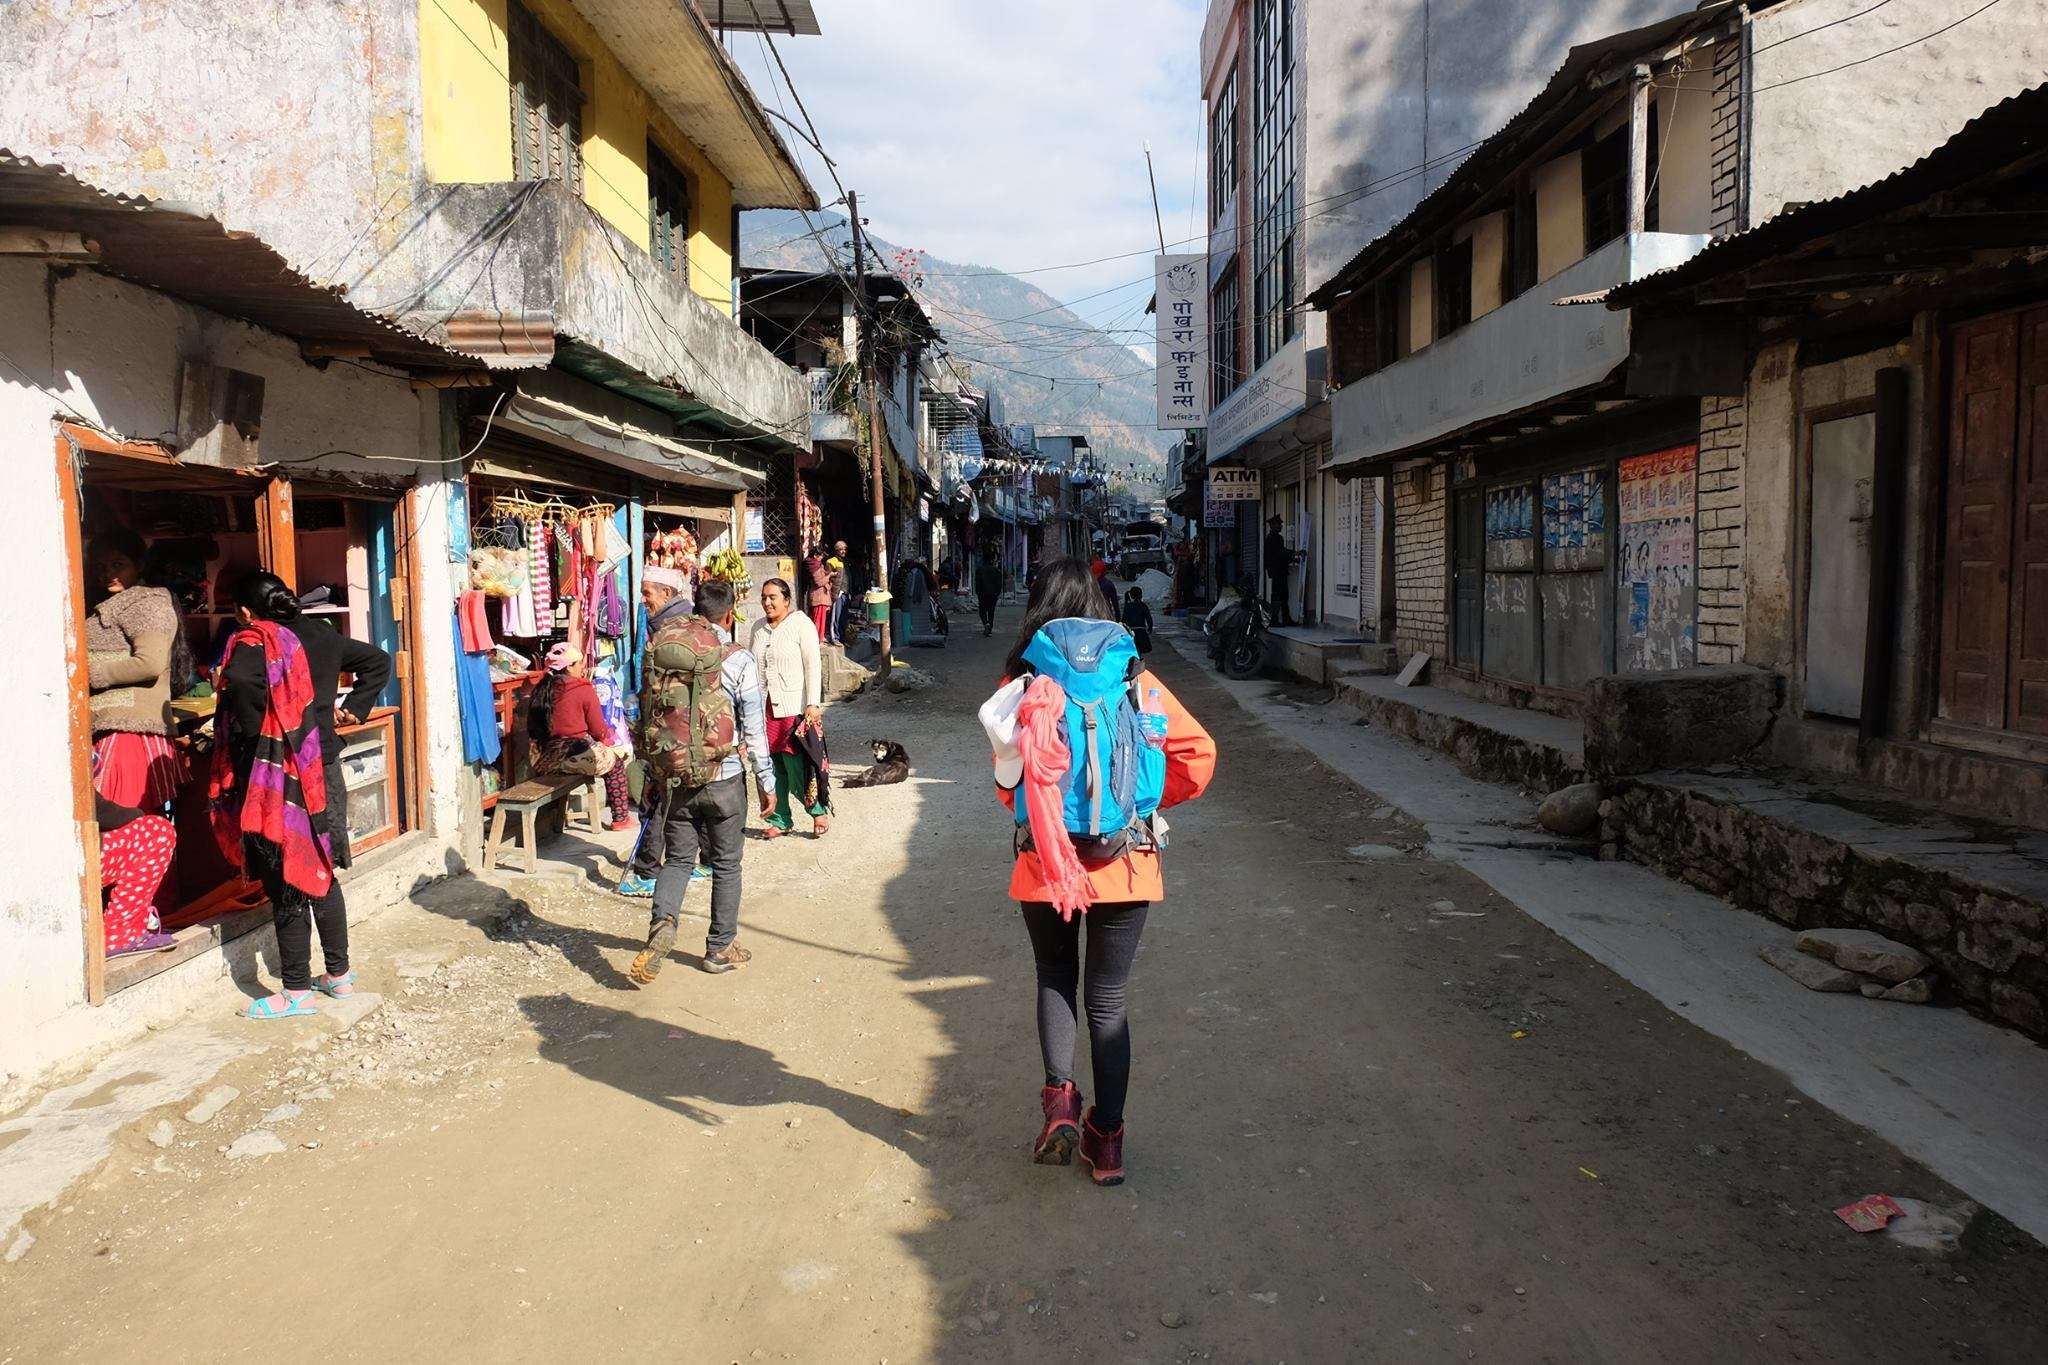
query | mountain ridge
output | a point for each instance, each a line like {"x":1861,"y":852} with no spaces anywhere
{"x":1053,"y":368}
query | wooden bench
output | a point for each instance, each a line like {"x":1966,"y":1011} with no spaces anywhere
{"x":526,"y":801}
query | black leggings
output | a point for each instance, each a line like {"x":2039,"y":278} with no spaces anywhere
{"x":295,"y":932}
{"x":1113,"y":932}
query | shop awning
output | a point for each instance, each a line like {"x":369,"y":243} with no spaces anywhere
{"x":683,"y":509}
{"x":623,"y":445}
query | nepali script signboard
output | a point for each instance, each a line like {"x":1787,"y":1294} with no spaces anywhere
{"x":1182,"y":340}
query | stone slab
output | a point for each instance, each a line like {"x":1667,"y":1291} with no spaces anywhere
{"x":1865,"y":951}
{"x":1809,"y":972}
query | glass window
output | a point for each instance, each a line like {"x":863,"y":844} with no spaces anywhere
{"x":668,"y":215}
{"x":1273,"y":316}
{"x":1223,"y":148}
{"x":1224,"y":325}
{"x":547,"y":102}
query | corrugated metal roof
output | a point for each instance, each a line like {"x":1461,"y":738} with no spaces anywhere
{"x":1481,"y":172}
{"x":2009,"y":131}
{"x":195,"y":258}
{"x":670,"y":49}
{"x":794,"y":17}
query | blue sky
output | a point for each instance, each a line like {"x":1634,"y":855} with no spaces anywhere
{"x":1006,"y":133}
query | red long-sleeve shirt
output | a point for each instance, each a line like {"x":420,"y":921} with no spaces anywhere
{"x":577,"y":713}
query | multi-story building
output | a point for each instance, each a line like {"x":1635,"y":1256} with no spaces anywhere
{"x":1563,"y":504}
{"x":1326,"y":122}
{"x":348,"y":299}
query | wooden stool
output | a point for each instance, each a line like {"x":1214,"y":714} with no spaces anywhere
{"x":584,"y":803}
{"x":524,"y":803}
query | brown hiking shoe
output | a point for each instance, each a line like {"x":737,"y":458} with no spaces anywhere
{"x":648,"y":962}
{"x":726,"y":959}
{"x":1103,"y":1152}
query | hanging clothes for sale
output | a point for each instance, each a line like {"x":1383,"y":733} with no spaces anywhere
{"x":542,"y":577}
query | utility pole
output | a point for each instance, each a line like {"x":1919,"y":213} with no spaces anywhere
{"x":867,"y":384}
{"x":1153,"y":180}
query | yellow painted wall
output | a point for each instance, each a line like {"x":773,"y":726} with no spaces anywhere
{"x":466,"y":97}
{"x":467,"y":116}
{"x":1489,"y":247}
{"x":1560,"y":216}
{"x":1421,"y":303}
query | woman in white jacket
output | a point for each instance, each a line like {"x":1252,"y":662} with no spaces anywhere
{"x":792,"y":676}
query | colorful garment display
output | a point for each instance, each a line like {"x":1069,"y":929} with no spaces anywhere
{"x":542,"y":578}
{"x":476,"y":703}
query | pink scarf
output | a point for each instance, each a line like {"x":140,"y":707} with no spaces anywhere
{"x":1042,"y":743}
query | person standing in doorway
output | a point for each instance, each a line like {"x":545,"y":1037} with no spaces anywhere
{"x":130,"y":638}
{"x":1278,"y":560}
{"x":988,"y":588}
{"x":701,"y":727}
{"x":818,"y":593}
{"x":1102,"y":899}
{"x":792,"y":676}
{"x":280,"y":805}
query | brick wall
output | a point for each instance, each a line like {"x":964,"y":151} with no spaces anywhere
{"x":1421,"y":615}
{"x":1724,"y":137}
{"x":1720,"y":529}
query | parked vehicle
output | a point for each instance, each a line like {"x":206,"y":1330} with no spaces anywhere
{"x":1142,"y":547}
{"x":1238,"y":642}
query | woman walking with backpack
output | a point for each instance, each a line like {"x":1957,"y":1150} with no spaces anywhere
{"x":1089,"y":748}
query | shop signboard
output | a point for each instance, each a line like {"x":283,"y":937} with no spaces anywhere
{"x":1233,"y":485}
{"x":1181,"y":340}
{"x":1277,"y":391}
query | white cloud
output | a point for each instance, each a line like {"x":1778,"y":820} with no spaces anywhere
{"x":1003,"y":133}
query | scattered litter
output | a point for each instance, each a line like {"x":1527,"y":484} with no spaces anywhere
{"x":1519,"y":1033}
{"x":1590,"y":1175}
{"x":1870,"y":1213}
{"x":1269,"y":1298}
{"x":1930,"y":1227}
{"x":1374,"y":853}
{"x":677,"y":1033}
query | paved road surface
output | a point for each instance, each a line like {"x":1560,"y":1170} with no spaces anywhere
{"x":1377,"y":1113}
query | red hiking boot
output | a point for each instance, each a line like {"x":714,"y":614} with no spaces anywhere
{"x":1062,"y":1131}
{"x":1104,"y":1152}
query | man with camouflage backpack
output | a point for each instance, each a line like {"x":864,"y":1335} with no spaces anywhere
{"x":701,"y":724}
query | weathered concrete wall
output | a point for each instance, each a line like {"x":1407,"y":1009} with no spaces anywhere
{"x":1685,"y":149}
{"x":1641,"y":722}
{"x":1771,"y":443}
{"x":1817,"y":136}
{"x":86,"y":347}
{"x":1398,"y":82}
{"x":1479,"y":750}
{"x":296,"y":122}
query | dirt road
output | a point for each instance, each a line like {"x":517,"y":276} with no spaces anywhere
{"x":1377,"y":1113}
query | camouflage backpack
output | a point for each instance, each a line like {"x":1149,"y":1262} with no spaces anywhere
{"x":686,"y":721}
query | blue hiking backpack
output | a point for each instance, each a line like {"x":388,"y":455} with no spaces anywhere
{"x":1118,"y":771}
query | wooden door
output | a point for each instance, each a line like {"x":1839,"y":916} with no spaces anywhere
{"x":1468,"y":575}
{"x":1977,"y":588}
{"x":2026,"y":698}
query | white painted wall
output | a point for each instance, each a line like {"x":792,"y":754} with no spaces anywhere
{"x":1383,"y":96}
{"x":93,"y":349}
{"x":1684,"y":175}
{"x":1816,"y":136}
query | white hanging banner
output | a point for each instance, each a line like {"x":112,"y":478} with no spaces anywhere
{"x":1182,"y":340}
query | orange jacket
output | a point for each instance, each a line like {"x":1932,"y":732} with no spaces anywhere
{"x":1190,"y":764}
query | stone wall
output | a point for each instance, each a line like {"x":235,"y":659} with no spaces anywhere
{"x":1991,"y":945}
{"x":1421,"y":542}
{"x":1724,"y":140}
{"x":1720,"y":523}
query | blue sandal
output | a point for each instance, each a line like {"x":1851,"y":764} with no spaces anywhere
{"x":295,"y":1006}
{"x":336,"y":987}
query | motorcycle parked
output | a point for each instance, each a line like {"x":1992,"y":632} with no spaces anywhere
{"x":1238,"y":642}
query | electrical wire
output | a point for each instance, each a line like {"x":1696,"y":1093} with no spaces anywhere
{"x":1829,"y":71}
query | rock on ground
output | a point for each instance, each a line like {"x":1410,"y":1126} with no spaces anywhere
{"x":1571,"y":810}
{"x":217,"y":1099}
{"x":162,"y":1134}
{"x":255,"y":1142}
{"x":1917,"y":991}
{"x":1809,"y":972}
{"x":1860,"y":950}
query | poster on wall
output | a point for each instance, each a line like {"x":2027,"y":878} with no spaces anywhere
{"x":1659,"y":591}
{"x":1511,"y":528}
{"x":757,"y":533}
{"x":1574,"y":521}
{"x":1181,"y":339}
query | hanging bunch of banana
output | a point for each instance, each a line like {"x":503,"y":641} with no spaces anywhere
{"x":728,"y":565}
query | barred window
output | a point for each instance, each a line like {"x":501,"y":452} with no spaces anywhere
{"x":668,"y":215}
{"x":1273,"y":316}
{"x":547,"y":102}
